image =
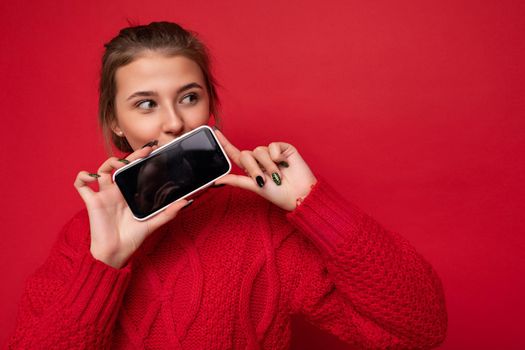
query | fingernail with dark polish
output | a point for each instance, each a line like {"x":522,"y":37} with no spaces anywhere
{"x":96,"y":176}
{"x":284,"y":164}
{"x":276,"y":178}
{"x":125,"y":161}
{"x":215,"y":186}
{"x":188,"y":204}
{"x":260,"y":181}
{"x":151,"y":143}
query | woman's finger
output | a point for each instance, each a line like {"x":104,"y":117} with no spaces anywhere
{"x":232,"y":151}
{"x":280,"y":151}
{"x":166,"y":215}
{"x":106,"y":170}
{"x":142,"y":152}
{"x":262,"y":156}
{"x":113,"y":163}
{"x":248,"y":163}
{"x":240,"y":181}
{"x":81,"y":184}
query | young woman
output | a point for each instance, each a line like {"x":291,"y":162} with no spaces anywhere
{"x":231,"y":270}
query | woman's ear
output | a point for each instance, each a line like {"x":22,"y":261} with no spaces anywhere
{"x":116,"y":130}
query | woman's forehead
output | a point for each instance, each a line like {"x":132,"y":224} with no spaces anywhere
{"x":157,"y":71}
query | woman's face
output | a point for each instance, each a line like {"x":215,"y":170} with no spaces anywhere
{"x":159,"y":98}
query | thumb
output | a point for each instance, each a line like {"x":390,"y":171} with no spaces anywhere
{"x":167,"y":214}
{"x":244,"y":182}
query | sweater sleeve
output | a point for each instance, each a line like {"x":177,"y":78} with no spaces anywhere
{"x":370,"y":288}
{"x":71,"y":302}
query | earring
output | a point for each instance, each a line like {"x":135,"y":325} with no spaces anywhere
{"x":120,"y":133}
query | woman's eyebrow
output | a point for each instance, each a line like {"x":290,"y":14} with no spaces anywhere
{"x":153,"y":93}
{"x":189,"y":86}
{"x":142,"y":94}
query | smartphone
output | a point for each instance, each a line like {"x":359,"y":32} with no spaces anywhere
{"x":174,"y":171}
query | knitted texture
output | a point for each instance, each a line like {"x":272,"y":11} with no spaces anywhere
{"x":229,"y":272}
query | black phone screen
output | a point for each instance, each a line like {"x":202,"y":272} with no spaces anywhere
{"x":178,"y":169}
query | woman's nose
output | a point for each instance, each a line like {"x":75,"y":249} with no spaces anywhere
{"x":172,"y":122}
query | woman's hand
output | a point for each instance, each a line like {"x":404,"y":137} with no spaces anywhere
{"x":285,"y":174}
{"x":115,"y":234}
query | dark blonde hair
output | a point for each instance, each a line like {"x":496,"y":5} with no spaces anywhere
{"x":164,"y":37}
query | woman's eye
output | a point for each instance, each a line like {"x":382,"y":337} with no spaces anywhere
{"x":190,"y":99}
{"x":146,"y":104}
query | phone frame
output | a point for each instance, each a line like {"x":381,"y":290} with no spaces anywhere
{"x":160,"y":149}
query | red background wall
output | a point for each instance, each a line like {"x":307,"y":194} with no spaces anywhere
{"x":413,"y":109}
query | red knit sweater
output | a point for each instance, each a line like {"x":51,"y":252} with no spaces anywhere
{"x":228,"y":272}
